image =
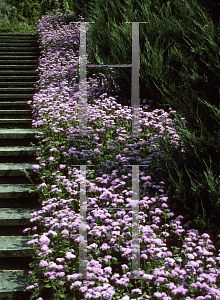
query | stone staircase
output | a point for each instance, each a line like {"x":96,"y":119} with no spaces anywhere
{"x":18,"y":62}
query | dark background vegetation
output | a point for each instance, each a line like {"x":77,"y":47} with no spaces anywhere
{"x":179,"y":53}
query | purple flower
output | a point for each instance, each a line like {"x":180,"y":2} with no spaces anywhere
{"x":69,"y":255}
{"x":43,"y":263}
{"x":44,"y":240}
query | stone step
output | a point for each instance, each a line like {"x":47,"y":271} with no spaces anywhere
{"x":20,"y":49}
{"x":13,"y":285}
{"x":6,"y":62}
{"x":17,"y":151}
{"x":7,"y":114}
{"x":15,"y":191}
{"x":9,"y":84}
{"x":11,"y":114}
{"x":18,"y":54}
{"x":18,"y":79}
{"x":13,"y":169}
{"x":13,"y":58}
{"x":17,"y":66}
{"x":10,"y":172}
{"x":17,"y":89}
{"x":15,"y":246}
{"x":14,"y":154}
{"x":18,"y":36}
{"x":15,"y":216}
{"x":15,"y":264}
{"x":13,"y":104}
{"x":17,"y":72}
{"x":17,"y":45}
{"x":15,"y":123}
{"x":17,"y":133}
{"x":18,"y":137}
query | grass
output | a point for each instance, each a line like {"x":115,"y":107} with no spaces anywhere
{"x":175,"y":262}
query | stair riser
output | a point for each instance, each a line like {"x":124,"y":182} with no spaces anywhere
{"x":23,"y":201}
{"x":21,"y":124}
{"x":6,"y":62}
{"x":14,"y":105}
{"x":14,"y":227}
{"x":18,"y":73}
{"x":22,"y":179}
{"x":17,"y":195}
{"x":18,"y":158}
{"x":17,"y":253}
{"x":27,"y":79}
{"x":17,"y":115}
{"x":16,"y":142}
{"x":15,"y":264}
{"x":20,"y":50}
{"x":14,"y":91}
{"x":18,"y":67}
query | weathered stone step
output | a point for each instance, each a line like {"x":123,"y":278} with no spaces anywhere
{"x":19,"y":67}
{"x":13,"y":104}
{"x":22,"y":115}
{"x":13,"y":285}
{"x":17,"y":54}
{"x":17,"y":151}
{"x":14,"y":121}
{"x":10,"y":172}
{"x":17,"y":44}
{"x":20,"y":49}
{"x":11,"y":169}
{"x":13,"y":154}
{"x":9,"y":58}
{"x":17,"y":72}
{"x":15,"y":216}
{"x":17,"y":89}
{"x":6,"y":112}
{"x":15,"y":264}
{"x":18,"y":79}
{"x":16,"y":96}
{"x":5,"y":62}
{"x":16,"y":84}
{"x":11,"y":246}
{"x":17,"y":133}
{"x":15,"y":191}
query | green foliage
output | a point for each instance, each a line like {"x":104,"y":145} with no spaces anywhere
{"x":61,"y":5}
{"x":7,"y":13}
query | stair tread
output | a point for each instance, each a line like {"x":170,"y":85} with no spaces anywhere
{"x":13,"y":280}
{"x":15,"y":166}
{"x":18,"y":148}
{"x":14,"y":243}
{"x":3,"y":96}
{"x":28,"y":130}
{"x":13,"y":120}
{"x":12,"y":102}
{"x":8,"y":188}
{"x":14,"y":110}
{"x":16,"y":89}
{"x":15,"y":213}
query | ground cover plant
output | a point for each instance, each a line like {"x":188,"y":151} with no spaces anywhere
{"x":176,"y":261}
